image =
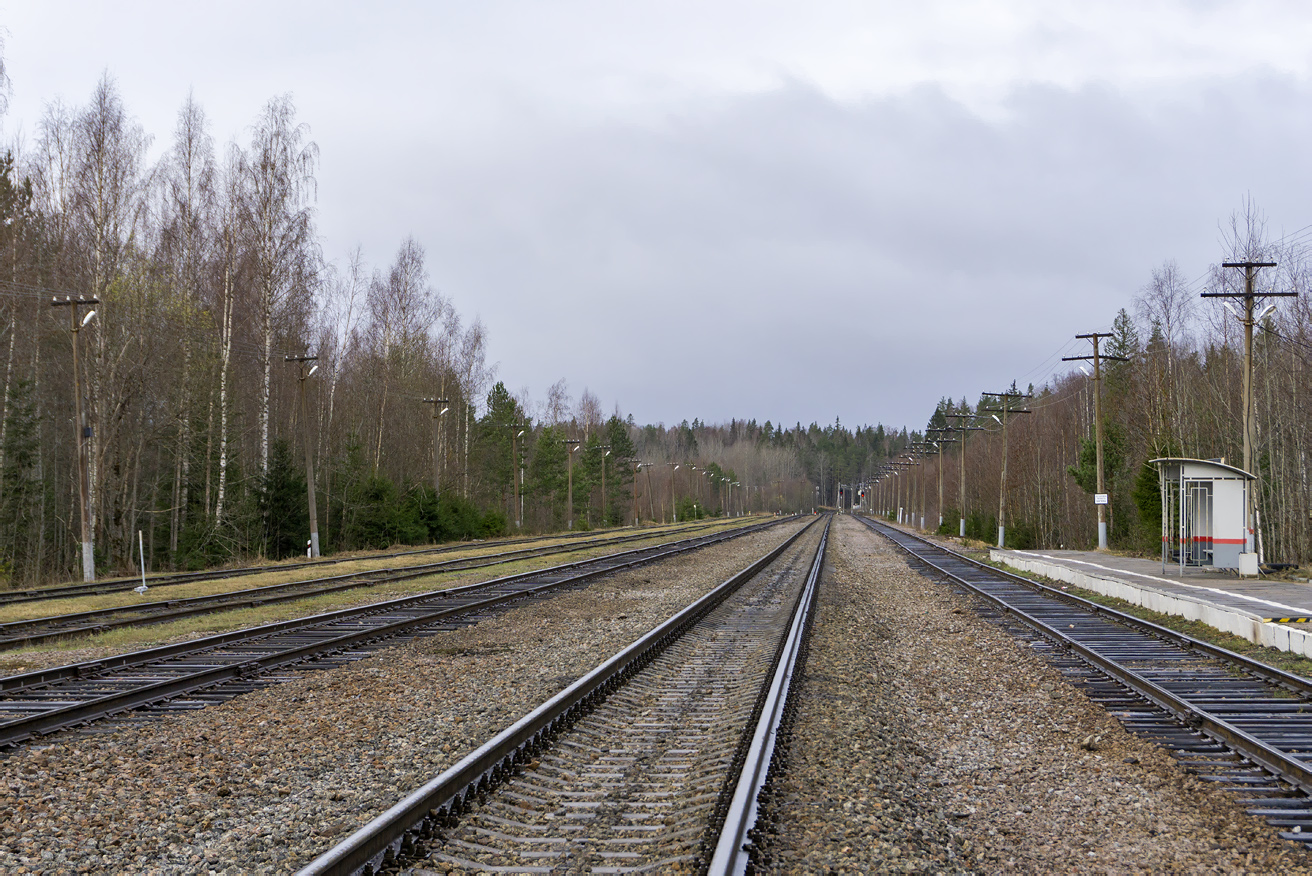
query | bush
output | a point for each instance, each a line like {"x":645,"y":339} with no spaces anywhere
{"x":454,"y":518}
{"x":379,"y":518}
{"x":689,"y":509}
{"x":983,"y":527}
{"x":951,"y":524}
{"x":1021,"y":535}
{"x":282,"y":505}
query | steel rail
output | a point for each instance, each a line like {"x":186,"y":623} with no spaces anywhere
{"x":13,"y":683}
{"x":734,"y":850}
{"x":18,"y":730}
{"x":1293,"y":770}
{"x":1270,"y":674}
{"x":171,"y":579}
{"x":17,"y":634}
{"x":397,"y":830}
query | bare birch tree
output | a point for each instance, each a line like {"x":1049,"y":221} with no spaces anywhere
{"x":110,"y":199}
{"x":279,"y":188}
{"x":189,"y":201}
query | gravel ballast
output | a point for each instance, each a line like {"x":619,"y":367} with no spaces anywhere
{"x":928,"y":740}
{"x":267,"y":781}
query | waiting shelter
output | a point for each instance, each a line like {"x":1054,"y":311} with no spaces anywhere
{"x":1204,"y":514}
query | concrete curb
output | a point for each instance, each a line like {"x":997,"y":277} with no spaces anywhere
{"x":1244,"y":624}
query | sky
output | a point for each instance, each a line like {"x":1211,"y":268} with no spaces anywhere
{"x":788,"y":211}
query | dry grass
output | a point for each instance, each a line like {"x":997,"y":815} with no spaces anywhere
{"x":286,"y":573}
{"x":135,"y":638}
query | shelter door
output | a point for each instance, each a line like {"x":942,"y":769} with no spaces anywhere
{"x":1196,"y":523}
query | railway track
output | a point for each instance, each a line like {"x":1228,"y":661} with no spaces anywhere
{"x":652,"y":762}
{"x":1226,"y":718}
{"x":24,"y":633}
{"x":106,"y":586}
{"x":193,"y":674}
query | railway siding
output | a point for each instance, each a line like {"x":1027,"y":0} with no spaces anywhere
{"x":928,"y":740}
{"x":268,"y":780}
{"x":968,"y":740}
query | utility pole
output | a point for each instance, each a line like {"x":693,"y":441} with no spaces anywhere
{"x":440,"y":407}
{"x":517,"y":432}
{"x":922,"y":451}
{"x":636,"y":471}
{"x":939,"y":442}
{"x":918,"y":452}
{"x":571,"y":444}
{"x":1005,"y":399}
{"x":1249,"y":297}
{"x":1100,"y":498}
{"x":605,"y":452}
{"x":302,"y":375}
{"x":82,"y":431}
{"x":899,"y":467}
{"x":963,"y":429}
{"x":919,"y":481}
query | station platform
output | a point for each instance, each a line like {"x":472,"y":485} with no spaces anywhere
{"x":1277,"y":614}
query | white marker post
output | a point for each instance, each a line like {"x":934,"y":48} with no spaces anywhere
{"x":141,"y":552}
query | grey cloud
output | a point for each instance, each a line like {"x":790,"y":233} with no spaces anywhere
{"x":735,"y":258}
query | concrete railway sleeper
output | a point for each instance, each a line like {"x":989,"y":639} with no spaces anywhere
{"x":20,"y":634}
{"x":1228,"y":719}
{"x":652,"y":760}
{"x":54,"y":699}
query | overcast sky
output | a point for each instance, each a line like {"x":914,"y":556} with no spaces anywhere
{"x":787,"y":211}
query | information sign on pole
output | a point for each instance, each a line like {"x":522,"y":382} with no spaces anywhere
{"x":1100,"y":498}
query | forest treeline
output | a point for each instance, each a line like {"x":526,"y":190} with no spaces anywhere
{"x":199,"y":409}
{"x":1179,"y":393}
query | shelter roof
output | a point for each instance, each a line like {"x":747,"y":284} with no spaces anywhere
{"x":1223,"y":470}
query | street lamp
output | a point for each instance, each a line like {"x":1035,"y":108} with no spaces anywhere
{"x":82,"y":432}
{"x":571,"y":444}
{"x":440,"y":407}
{"x":606,"y":448}
{"x":515,"y":463}
{"x":674,"y":498}
{"x":637,"y":469}
{"x":302,"y":376}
